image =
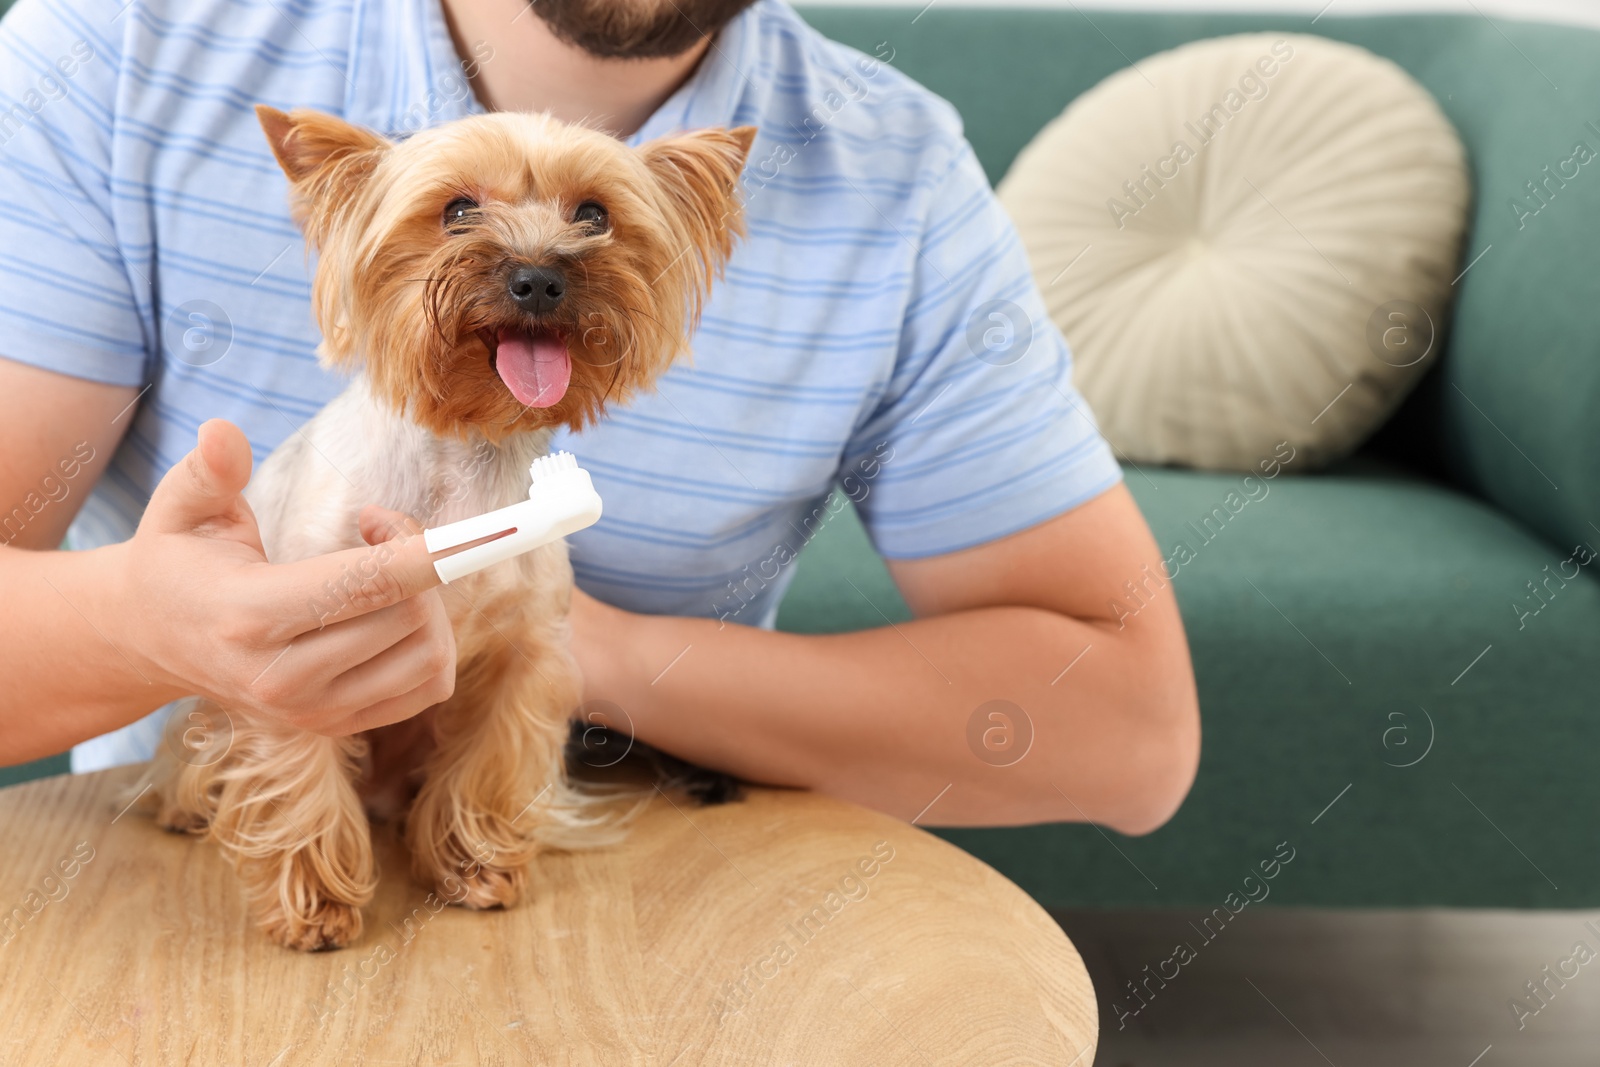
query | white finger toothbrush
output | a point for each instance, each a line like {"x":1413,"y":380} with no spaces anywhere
{"x":561,"y":500}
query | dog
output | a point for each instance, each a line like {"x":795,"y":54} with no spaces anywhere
{"x":486,"y":281}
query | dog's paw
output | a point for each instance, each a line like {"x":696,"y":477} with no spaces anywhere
{"x":487,"y":887}
{"x":330,"y":925}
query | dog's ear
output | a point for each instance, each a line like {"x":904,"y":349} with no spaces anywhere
{"x":699,"y":173}
{"x":326,"y":159}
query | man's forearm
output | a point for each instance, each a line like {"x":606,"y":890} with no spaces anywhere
{"x":884,"y":717}
{"x":65,"y":678}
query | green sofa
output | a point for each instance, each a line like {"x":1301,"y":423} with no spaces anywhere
{"x":1391,"y":636}
{"x":1391,"y":632}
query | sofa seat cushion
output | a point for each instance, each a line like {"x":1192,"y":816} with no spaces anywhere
{"x":1343,"y":625}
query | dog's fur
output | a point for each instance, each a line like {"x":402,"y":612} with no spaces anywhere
{"x":414,"y":305}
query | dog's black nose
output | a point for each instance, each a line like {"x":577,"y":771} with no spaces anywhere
{"x":537,"y":290}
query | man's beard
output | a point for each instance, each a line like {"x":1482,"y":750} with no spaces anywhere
{"x":636,"y":29}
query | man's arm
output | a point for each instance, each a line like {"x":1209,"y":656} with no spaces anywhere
{"x":880,"y":717}
{"x":90,"y":641}
{"x":60,"y":434}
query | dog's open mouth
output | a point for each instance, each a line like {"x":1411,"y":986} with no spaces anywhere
{"x":533,"y":363}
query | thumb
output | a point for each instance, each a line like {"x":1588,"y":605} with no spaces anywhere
{"x":204,"y":485}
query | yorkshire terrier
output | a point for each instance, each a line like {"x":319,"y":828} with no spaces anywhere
{"x":487,"y":281}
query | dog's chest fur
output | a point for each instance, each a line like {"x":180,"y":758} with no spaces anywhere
{"x":308,"y":493}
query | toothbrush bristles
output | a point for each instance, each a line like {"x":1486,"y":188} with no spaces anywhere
{"x":554,"y":462}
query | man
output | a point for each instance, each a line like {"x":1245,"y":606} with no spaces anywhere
{"x":878,"y":327}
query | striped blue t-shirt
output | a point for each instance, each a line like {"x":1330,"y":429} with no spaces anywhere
{"x":878,"y":330}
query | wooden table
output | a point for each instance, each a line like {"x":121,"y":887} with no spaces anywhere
{"x":787,"y":929}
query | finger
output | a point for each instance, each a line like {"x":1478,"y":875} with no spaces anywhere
{"x":354,"y":582}
{"x":206,"y":483}
{"x":384,"y":713}
{"x":382,"y":524}
{"x":429,"y":653}
{"x":342,"y":646}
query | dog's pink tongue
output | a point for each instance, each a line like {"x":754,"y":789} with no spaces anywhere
{"x":535,"y":367}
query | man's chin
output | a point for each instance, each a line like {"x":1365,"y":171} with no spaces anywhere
{"x":636,"y":29}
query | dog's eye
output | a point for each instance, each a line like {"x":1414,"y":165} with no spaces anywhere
{"x":459,"y":212}
{"x":593,"y":216}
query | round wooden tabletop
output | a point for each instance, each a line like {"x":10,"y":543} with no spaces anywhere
{"x":785,"y":929}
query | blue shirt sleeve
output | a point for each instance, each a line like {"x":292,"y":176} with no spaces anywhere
{"x":980,"y":432}
{"x":68,"y":298}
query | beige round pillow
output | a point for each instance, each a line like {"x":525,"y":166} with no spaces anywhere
{"x":1247,"y":241}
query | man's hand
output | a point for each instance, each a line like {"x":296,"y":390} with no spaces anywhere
{"x":334,"y":644}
